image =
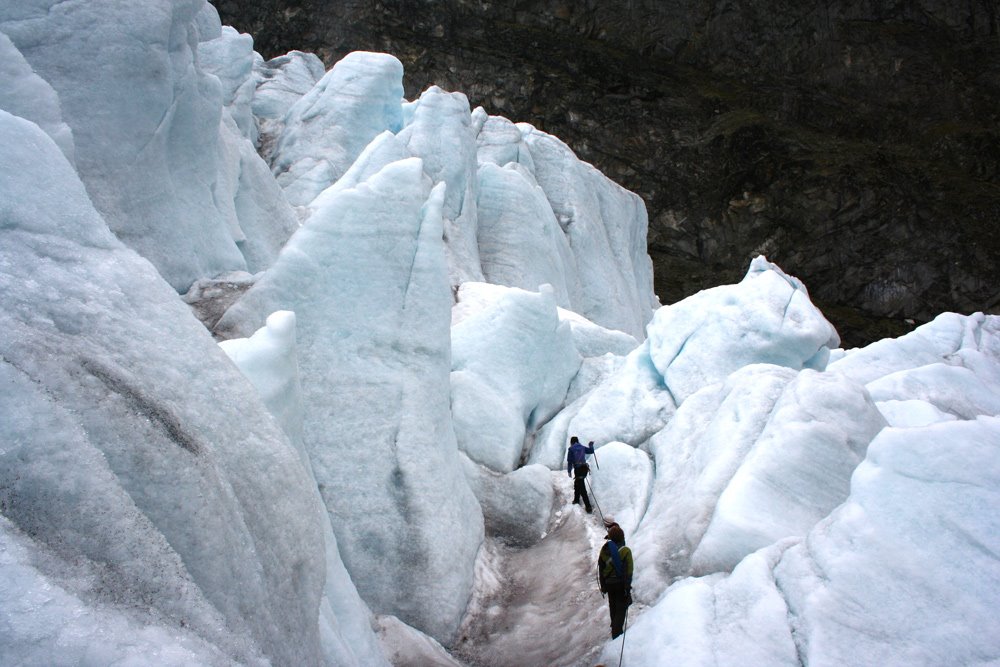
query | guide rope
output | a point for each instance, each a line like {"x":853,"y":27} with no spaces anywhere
{"x":594,"y":497}
{"x":624,"y":630}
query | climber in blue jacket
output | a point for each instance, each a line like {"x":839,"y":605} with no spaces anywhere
{"x":576,"y":464}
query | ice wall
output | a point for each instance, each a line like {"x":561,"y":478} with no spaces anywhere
{"x":367,"y":279}
{"x":763,"y":456}
{"x":146,"y":124}
{"x":269,"y":359}
{"x":510,"y":218}
{"x":904,"y":573}
{"x":606,"y":228}
{"x":548,"y":215}
{"x":512,"y":363}
{"x":144,"y":486}
{"x":326,"y":129}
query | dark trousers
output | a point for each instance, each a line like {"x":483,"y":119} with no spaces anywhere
{"x":580,"y":491}
{"x":618,"y":601}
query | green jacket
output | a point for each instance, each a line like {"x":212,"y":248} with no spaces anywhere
{"x":606,"y":573}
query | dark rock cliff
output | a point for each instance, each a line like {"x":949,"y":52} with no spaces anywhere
{"x":856,"y":144}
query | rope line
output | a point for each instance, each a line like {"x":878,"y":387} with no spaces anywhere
{"x":624,"y":630}
{"x":594,"y":496}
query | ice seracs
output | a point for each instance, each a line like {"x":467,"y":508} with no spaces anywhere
{"x":904,"y":572}
{"x":440,"y":129}
{"x":145,"y":121}
{"x":153,"y":502}
{"x":328,"y":127}
{"x":606,"y":227}
{"x":765,"y":318}
{"x":29,"y":96}
{"x":367,"y":279}
{"x":520,"y":241}
{"x":229,"y":55}
{"x":512,"y":363}
{"x":392,"y":418}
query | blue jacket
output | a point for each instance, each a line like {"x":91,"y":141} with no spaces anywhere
{"x":577,"y":455}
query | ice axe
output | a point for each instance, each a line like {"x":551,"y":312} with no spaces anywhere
{"x":591,"y":443}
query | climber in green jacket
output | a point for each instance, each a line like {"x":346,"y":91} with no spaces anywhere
{"x":614,"y":572}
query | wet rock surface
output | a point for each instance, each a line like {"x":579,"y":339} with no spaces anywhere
{"x":856,"y":145}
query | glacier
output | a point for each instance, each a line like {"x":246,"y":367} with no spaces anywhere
{"x":290,"y":365}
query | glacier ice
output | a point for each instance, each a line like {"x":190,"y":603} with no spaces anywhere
{"x":229,"y":55}
{"x":328,"y":127}
{"x":607,"y":275}
{"x":520,"y":242}
{"x":512,"y":363}
{"x":23,"y":93}
{"x":905,"y":572}
{"x":765,"y":318}
{"x":156,"y":498}
{"x":630,"y":405}
{"x":367,"y":279}
{"x":516,"y":505}
{"x":281,"y":82}
{"x":145,"y":121}
{"x":951,"y":364}
{"x":700,"y":340}
{"x":620,"y":482}
{"x":950,"y":337}
{"x":269,"y":359}
{"x":762,"y":456}
{"x":158,"y":507}
{"x":605,"y":226}
{"x":439,"y":129}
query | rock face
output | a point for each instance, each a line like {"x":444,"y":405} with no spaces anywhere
{"x":856,"y":145}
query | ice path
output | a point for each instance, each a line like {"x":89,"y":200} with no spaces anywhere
{"x":540,"y":605}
